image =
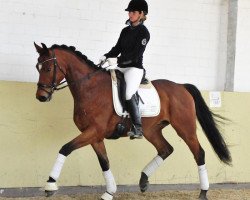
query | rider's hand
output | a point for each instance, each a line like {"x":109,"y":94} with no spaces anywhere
{"x":111,"y":67}
{"x":112,"y":61}
{"x":102,"y":60}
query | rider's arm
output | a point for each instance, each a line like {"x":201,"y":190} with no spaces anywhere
{"x":133,"y":57}
{"x":116,"y":50}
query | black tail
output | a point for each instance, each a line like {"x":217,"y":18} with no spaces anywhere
{"x":209,"y":126}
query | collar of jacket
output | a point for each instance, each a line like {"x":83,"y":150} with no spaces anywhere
{"x":128,"y":22}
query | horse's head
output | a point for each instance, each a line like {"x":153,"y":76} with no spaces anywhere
{"x":50,"y":73}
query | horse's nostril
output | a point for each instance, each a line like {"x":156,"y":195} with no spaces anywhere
{"x":42,"y":98}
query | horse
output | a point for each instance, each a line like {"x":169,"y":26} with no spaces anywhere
{"x":95,"y":117}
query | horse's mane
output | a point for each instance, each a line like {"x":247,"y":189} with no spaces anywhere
{"x":77,"y":53}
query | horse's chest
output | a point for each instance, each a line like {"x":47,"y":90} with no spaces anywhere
{"x":81,"y":120}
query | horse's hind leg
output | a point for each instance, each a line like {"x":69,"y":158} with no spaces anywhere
{"x":163,"y":148}
{"x":185,"y":126}
{"x":101,"y":153}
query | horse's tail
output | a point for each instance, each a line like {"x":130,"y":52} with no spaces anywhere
{"x":208,"y":124}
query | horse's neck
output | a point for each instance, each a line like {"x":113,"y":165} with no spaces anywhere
{"x":80,"y":84}
{"x":77,"y":70}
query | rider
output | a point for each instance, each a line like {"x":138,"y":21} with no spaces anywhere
{"x":131,"y":46}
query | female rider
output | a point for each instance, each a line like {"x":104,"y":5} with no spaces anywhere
{"x":131,"y":46}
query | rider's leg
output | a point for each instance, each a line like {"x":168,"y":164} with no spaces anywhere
{"x":133,"y":109}
{"x":133,"y":78}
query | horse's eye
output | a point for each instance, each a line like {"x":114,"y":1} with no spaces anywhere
{"x":48,"y":69}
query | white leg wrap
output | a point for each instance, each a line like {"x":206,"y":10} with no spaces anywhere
{"x":51,"y":187}
{"x":55,"y":173}
{"x":204,"y":184}
{"x":107,"y":196}
{"x":110,"y":182}
{"x":152,"y":166}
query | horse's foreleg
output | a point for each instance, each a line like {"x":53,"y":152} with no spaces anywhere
{"x":51,"y":186}
{"x":85,"y":138}
{"x":101,"y":153}
{"x":164,"y":149}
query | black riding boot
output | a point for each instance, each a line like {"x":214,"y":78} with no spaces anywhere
{"x":133,"y":109}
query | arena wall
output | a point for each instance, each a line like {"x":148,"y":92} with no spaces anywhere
{"x":188,"y":44}
{"x":32,"y":134}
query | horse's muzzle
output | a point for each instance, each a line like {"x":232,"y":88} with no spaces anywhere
{"x":43,"y":98}
{"x":43,"y":95}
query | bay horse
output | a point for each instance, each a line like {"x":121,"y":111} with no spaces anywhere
{"x":95,"y":117}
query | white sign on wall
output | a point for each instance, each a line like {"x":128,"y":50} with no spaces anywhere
{"x":215,"y":99}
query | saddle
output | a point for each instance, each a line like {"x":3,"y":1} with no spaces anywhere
{"x":147,"y":96}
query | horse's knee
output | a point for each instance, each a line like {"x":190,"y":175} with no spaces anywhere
{"x":164,"y":153}
{"x":67,"y":149}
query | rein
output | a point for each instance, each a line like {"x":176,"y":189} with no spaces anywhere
{"x":87,"y":77}
{"x":53,"y":86}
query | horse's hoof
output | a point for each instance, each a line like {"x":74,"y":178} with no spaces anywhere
{"x":50,"y":189}
{"x":107,"y":196}
{"x":49,"y":193}
{"x":143,"y":182}
{"x":203,"y":195}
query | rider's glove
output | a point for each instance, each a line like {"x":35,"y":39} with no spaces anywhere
{"x":112,"y":61}
{"x":102,"y":60}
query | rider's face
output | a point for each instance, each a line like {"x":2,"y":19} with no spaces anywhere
{"x":134,"y":16}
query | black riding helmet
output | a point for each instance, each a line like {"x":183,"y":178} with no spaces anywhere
{"x":138,"y":5}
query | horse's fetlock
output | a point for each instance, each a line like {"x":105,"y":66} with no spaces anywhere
{"x":51,"y":180}
{"x":143,"y":176}
{"x":171,"y":150}
{"x":66,"y":149}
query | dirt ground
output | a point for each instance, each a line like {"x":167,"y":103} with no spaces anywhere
{"x":220,"y":194}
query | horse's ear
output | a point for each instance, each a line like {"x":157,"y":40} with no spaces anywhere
{"x":44,"y":47}
{"x":38,"y":48}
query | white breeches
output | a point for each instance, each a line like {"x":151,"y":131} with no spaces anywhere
{"x":132,"y":76}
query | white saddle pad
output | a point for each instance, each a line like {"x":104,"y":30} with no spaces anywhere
{"x":151,"y":101}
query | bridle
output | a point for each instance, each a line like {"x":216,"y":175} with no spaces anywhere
{"x":53,"y":86}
